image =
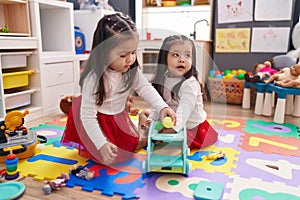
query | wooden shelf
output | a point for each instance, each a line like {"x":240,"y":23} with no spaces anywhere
{"x":15,"y":15}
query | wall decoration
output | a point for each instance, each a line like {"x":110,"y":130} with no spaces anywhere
{"x":235,"y":11}
{"x":232,"y":40}
{"x":281,"y":10}
{"x":275,"y":39}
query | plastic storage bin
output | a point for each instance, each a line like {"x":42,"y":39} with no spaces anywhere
{"x":13,"y":59}
{"x":18,"y":99}
{"x":16,"y":79}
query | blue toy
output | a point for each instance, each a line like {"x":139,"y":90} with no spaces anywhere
{"x":167,"y":152}
{"x":79,"y":41}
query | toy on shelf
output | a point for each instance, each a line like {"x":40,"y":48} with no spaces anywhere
{"x":82,"y":172}
{"x":167,"y":152}
{"x":56,"y":184}
{"x":4,"y":29}
{"x":14,"y":136}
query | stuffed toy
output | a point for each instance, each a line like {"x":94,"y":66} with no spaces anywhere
{"x":56,"y":184}
{"x":65,"y":104}
{"x":261,"y":72}
{"x":95,"y":4}
{"x":287,"y":77}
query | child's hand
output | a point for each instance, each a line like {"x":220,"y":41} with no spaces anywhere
{"x":168,"y":112}
{"x":108,"y":153}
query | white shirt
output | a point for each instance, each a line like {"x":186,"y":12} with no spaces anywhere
{"x":189,"y":109}
{"x":114,"y":102}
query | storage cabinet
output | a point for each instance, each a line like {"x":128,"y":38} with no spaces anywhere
{"x":53,"y":25}
{"x":20,"y":80}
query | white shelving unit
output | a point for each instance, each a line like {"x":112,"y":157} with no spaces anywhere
{"x":53,"y":24}
{"x":20,"y":86}
{"x":16,"y":55}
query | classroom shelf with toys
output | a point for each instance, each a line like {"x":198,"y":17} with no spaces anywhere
{"x":37,"y":56}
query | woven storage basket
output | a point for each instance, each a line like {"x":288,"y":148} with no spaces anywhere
{"x":226,"y":90}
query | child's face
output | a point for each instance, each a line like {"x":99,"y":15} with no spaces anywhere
{"x":295,"y":70}
{"x":124,"y":54}
{"x":179,"y":58}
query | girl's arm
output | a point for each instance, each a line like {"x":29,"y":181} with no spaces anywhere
{"x":145,"y":90}
{"x":88,"y":112}
{"x":188,"y":94}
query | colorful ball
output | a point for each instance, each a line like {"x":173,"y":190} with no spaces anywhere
{"x":240,"y":76}
{"x":219,"y":76}
{"x":228,"y":76}
{"x":227,"y":71}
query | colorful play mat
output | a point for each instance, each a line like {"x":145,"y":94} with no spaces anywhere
{"x":262,"y":163}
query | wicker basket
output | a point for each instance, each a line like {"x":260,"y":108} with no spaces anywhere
{"x":226,"y":91}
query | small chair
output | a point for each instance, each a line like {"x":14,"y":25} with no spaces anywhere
{"x":260,"y":89}
{"x":285,"y":102}
{"x":262,"y":98}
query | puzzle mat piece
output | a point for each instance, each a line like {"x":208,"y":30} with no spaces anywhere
{"x":62,"y":121}
{"x":269,"y":167}
{"x":51,"y":132}
{"x":254,"y":188}
{"x":121,"y":179}
{"x":49,"y":162}
{"x":271,"y":128}
{"x":176,"y":186}
{"x":270,"y":144}
{"x":228,"y":138}
{"x":227,"y":123}
{"x":224,"y":165}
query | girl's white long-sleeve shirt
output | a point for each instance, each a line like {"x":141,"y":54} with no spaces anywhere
{"x":114,"y":102}
{"x":189,"y":109}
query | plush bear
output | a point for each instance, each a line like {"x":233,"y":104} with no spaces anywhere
{"x":95,"y":4}
{"x":65,"y":104}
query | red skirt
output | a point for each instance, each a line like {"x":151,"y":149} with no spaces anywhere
{"x":118,"y":129}
{"x":201,"y":136}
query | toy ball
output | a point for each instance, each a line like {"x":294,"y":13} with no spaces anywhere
{"x":234,"y":72}
{"x":227,"y":71}
{"x":228,"y":76}
{"x":240,"y":76}
{"x":219,"y":76}
{"x":167,"y":122}
{"x":217,"y":72}
{"x":241,"y":71}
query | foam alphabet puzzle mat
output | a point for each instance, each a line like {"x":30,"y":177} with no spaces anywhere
{"x":261,"y":162}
